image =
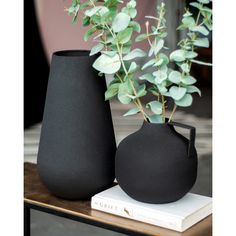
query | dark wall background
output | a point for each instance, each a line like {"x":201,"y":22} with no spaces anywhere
{"x":36,"y":68}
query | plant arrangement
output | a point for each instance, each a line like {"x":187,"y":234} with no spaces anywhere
{"x":114,"y":32}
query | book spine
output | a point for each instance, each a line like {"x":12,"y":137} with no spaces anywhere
{"x":135,"y":213}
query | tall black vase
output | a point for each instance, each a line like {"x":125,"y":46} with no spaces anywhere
{"x":156,"y":164}
{"x":77,"y":144}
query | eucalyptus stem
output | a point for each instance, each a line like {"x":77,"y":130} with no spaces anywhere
{"x":188,"y":61}
{"x":138,"y":104}
{"x":172,"y":113}
{"x":163,"y":108}
{"x":161,"y":16}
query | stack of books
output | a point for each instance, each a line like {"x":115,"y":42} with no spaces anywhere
{"x":179,"y":215}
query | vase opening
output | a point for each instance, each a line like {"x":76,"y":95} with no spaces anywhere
{"x":72,"y":53}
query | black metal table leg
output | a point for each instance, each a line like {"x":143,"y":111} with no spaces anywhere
{"x":26,"y":220}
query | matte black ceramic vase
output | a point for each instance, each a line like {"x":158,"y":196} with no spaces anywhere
{"x":156,"y":164}
{"x":77,"y":144}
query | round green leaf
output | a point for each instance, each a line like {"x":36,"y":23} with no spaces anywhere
{"x":149,"y":63}
{"x":186,"y":101}
{"x":132,"y":111}
{"x":124,"y":93}
{"x":97,"y":48}
{"x":190,"y":55}
{"x":175,"y":77}
{"x":200,"y":29}
{"x":160,"y":76}
{"x":201,"y":42}
{"x":134,"y":54}
{"x":188,"y":21}
{"x":120,"y":22}
{"x":98,"y":9}
{"x":185,"y":67}
{"x":177,"y":55}
{"x":155,"y":106}
{"x":141,"y":37}
{"x":112,"y":90}
{"x":107,"y":64}
{"x":124,"y":36}
{"x":155,"y":119}
{"x":193,"y":89}
{"x":177,"y":92}
{"x":188,"y":80}
{"x":148,"y":77}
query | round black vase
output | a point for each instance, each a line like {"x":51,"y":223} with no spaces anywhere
{"x":77,"y":144}
{"x":156,"y":164}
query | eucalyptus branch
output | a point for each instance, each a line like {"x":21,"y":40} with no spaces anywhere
{"x":114,"y":30}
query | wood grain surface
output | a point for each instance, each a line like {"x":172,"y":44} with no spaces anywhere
{"x":36,"y":193}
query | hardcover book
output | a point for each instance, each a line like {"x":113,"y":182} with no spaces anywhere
{"x":179,"y":215}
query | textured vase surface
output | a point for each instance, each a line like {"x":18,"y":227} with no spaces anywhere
{"x":156,"y":164}
{"x":77,"y":143}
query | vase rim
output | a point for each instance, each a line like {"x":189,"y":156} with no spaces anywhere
{"x":146,"y":123}
{"x":72,"y":53}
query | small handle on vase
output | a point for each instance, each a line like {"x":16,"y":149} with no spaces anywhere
{"x":192,"y":136}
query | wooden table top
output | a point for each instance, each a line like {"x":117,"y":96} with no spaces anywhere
{"x":35,"y":193}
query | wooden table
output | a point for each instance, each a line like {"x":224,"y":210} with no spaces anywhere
{"x":37,"y":197}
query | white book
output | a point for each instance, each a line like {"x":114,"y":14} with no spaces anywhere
{"x":179,"y":215}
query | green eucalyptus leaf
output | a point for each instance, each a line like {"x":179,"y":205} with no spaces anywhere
{"x":162,"y":89}
{"x":155,"y":106}
{"x":120,"y":22}
{"x":201,"y":42}
{"x":85,"y":5}
{"x":141,"y":37}
{"x":134,"y":54}
{"x":160,"y":76}
{"x":190,"y":55}
{"x":188,"y":21}
{"x":187,"y":13}
{"x":95,"y":49}
{"x":185,"y":67}
{"x":149,"y":63}
{"x":200,"y":29}
{"x":177,"y":92}
{"x":186,"y":101}
{"x":159,"y":62}
{"x":112,"y":90}
{"x":132,"y":12}
{"x":159,"y":46}
{"x":175,"y":77}
{"x":126,"y":47}
{"x":131,"y":4}
{"x":204,"y":1}
{"x":164,"y":58}
{"x":107,"y":64}
{"x":109,"y":53}
{"x":148,"y":77}
{"x":193,"y":89}
{"x":177,"y":55}
{"x":188,"y":80}
{"x":196,"y":5}
{"x":89,"y":33}
{"x":86,"y":21}
{"x":155,"y":119}
{"x":141,"y":91}
{"x":132,"y":111}
{"x":101,"y":10}
{"x":124,"y":36}
{"x":124,"y":92}
{"x":154,"y":91}
{"x":135,"y":25}
{"x":133,"y":67}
